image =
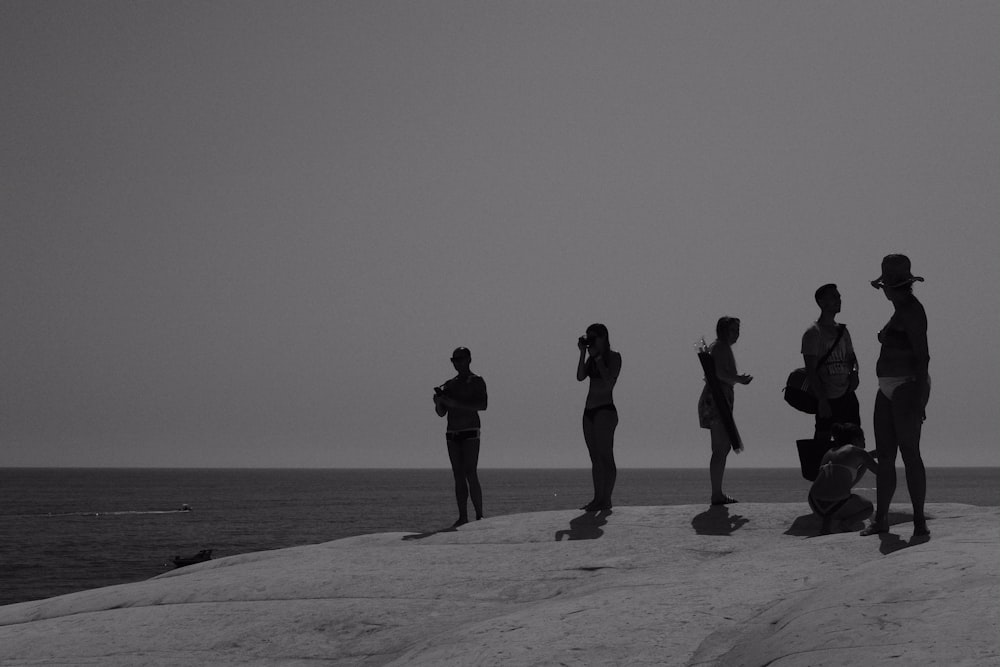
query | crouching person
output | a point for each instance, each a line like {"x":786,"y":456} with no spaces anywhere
{"x":830,"y":496}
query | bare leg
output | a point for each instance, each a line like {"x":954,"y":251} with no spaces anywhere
{"x":461,"y":487}
{"x":590,"y":437}
{"x":470,"y":460}
{"x":887,"y":447}
{"x":909,"y":423}
{"x":605,"y":423}
{"x":717,"y":465}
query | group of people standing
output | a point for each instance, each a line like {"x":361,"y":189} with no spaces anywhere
{"x":833,"y":372}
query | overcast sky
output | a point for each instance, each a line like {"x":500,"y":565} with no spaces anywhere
{"x":251,"y":233}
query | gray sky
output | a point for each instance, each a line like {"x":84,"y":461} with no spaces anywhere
{"x":250,"y":234}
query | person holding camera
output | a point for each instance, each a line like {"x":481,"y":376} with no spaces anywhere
{"x":461,"y":398}
{"x":600,"y":416}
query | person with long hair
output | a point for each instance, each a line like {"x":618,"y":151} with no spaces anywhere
{"x":600,"y":416}
{"x":727,"y":332}
{"x":901,"y":401}
{"x":461,"y":398}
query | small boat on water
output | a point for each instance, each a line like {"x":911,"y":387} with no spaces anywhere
{"x":200,"y":557}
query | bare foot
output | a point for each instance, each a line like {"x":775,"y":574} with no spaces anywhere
{"x":920,"y":528}
{"x":876,"y":527}
{"x":723,"y":500}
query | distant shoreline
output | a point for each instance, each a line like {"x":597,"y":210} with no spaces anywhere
{"x":482,"y":468}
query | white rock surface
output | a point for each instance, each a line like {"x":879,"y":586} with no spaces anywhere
{"x":747,"y":584}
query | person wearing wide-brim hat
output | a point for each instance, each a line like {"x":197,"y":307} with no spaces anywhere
{"x":904,"y":388}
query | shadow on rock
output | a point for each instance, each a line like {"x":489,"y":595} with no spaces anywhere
{"x":716,"y":520}
{"x":587,"y":526}
{"x":810,"y":525}
{"x":806,"y":525}
{"x":890,"y":542}
{"x":420,"y":536}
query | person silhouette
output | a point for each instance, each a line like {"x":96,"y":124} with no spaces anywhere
{"x":600,"y":416}
{"x":901,"y":400}
{"x":727,"y":332}
{"x":830,"y":496}
{"x":461,"y":399}
{"x":835,"y":380}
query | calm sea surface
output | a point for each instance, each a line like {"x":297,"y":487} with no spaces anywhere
{"x":66,"y":530}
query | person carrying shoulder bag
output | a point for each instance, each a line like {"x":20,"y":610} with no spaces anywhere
{"x":835,"y":379}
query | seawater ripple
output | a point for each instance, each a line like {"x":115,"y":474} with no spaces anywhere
{"x":74,"y":529}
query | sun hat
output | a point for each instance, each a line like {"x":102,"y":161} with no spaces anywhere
{"x":895,"y":272}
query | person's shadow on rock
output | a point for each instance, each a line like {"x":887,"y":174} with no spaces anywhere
{"x":890,"y":541}
{"x":587,"y":526}
{"x":716,"y":520}
{"x":810,"y":525}
{"x":420,"y":536}
{"x":807,"y":525}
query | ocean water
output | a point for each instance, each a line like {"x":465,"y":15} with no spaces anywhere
{"x":66,"y":530}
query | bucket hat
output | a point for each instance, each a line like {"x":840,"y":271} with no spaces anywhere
{"x":895,"y":272}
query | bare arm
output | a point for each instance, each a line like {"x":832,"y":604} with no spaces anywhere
{"x":854,"y":380}
{"x":816,"y":384}
{"x":914,"y":323}
{"x":581,"y":366}
{"x":810,"y":340}
{"x":725,"y":366}
{"x":870,"y":461}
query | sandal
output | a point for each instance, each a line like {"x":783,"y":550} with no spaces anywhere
{"x":875,"y":528}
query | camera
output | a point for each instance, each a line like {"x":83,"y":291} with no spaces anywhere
{"x":439,"y":391}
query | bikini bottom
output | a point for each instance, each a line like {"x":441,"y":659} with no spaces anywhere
{"x":590,"y":413}
{"x":889,"y":385}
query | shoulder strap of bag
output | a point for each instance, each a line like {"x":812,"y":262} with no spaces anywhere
{"x":840,"y":334}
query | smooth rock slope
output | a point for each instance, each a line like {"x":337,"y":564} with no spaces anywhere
{"x":747,"y":584}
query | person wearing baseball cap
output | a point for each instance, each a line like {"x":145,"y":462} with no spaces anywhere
{"x":461,"y":399}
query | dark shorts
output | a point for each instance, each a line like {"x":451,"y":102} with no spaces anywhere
{"x":843,"y":410}
{"x":462,"y":436}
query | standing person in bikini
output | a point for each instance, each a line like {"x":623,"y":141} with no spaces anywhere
{"x":461,"y":398}
{"x":727,"y":332}
{"x":600,"y":417}
{"x":901,"y":401}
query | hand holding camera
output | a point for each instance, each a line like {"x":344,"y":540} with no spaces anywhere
{"x":440,"y":394}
